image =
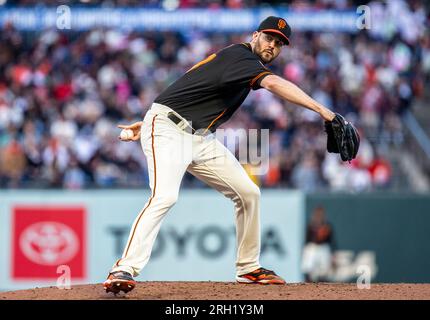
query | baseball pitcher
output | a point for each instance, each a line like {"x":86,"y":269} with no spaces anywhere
{"x":177,"y":135}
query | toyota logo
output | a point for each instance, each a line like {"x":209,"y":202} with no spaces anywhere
{"x":49,"y":243}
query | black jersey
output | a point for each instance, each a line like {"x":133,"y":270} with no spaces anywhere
{"x":210,"y":92}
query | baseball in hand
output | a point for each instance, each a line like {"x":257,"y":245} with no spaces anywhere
{"x":126,"y":134}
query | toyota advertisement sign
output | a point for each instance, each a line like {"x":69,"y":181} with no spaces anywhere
{"x":45,"y":236}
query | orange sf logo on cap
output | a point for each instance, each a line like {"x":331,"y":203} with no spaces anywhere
{"x":281,"y":24}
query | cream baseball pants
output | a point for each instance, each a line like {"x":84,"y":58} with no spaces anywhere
{"x":170,"y":152}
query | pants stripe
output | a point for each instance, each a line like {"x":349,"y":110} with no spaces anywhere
{"x":152,"y":196}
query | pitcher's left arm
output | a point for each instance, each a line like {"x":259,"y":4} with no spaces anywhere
{"x":289,"y":91}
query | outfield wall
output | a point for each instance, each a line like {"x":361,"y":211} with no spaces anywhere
{"x":389,"y":232}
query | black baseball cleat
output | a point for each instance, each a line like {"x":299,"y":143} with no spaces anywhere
{"x":119,"y":281}
{"x":260,"y":276}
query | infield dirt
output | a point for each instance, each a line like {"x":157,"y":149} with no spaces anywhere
{"x":229,"y":291}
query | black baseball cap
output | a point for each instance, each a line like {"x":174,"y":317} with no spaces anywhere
{"x":276,"y":25}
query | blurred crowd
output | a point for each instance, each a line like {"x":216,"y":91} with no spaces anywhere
{"x":62,"y":95}
{"x":174,"y":4}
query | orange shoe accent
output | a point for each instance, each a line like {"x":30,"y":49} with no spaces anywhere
{"x":261,"y":276}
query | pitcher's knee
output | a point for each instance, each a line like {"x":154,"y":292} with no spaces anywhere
{"x":250,"y":193}
{"x":166,"y":200}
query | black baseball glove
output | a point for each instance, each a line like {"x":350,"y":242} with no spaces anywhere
{"x":342,"y":138}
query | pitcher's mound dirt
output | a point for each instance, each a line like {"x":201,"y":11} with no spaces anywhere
{"x":230,"y":291}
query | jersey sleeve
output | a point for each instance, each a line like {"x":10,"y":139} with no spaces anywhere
{"x":245,"y":71}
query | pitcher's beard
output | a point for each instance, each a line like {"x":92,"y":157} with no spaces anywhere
{"x":264,"y":56}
